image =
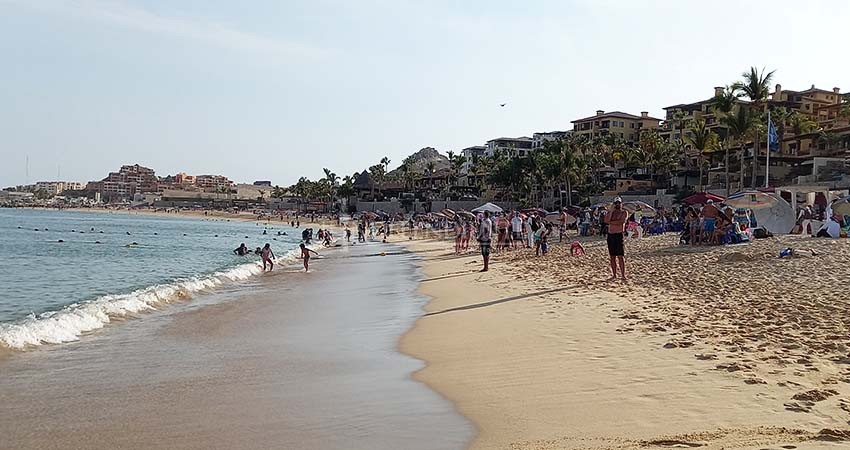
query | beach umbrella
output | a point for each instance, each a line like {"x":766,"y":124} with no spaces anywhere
{"x":488,"y":207}
{"x":540,"y":212}
{"x":771,"y":211}
{"x":466,"y":214}
{"x":841,"y":206}
{"x":700,"y":198}
{"x":645,"y":208}
{"x":555,"y":217}
{"x":448,"y":213}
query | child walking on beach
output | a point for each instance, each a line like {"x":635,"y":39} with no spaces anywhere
{"x":305,"y":254}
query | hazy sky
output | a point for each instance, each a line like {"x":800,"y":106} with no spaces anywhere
{"x":272,"y":89}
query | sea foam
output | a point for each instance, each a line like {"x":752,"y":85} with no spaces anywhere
{"x":72,"y":321}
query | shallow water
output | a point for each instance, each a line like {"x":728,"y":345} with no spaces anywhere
{"x":282,"y":361}
{"x":110,"y":265}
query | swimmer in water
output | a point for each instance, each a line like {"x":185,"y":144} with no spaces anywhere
{"x":305,"y":254}
{"x":242,"y":250}
{"x":267,"y":254}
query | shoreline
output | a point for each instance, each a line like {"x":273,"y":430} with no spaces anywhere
{"x":518,"y":357}
{"x":292,"y":360}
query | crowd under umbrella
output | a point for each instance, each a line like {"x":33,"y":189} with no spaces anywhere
{"x":772,"y":212}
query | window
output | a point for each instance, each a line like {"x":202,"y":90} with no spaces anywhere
{"x":632,"y":125}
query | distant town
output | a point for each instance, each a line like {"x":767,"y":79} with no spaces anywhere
{"x":750,"y":133}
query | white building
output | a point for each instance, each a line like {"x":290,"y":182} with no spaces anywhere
{"x":470,"y":154}
{"x":538,"y":139}
{"x":513,"y":147}
{"x":57,"y":187}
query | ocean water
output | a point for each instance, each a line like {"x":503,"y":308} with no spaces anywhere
{"x":53,"y":292}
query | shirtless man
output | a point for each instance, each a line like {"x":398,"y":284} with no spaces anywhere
{"x":305,"y":254}
{"x":709,"y":214}
{"x":616,"y":221}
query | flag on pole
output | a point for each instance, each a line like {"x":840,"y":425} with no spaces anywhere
{"x":772,"y":137}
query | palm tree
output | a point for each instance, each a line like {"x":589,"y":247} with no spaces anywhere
{"x":756,"y":87}
{"x":681,"y":119}
{"x":845,"y":106}
{"x":332,"y":181}
{"x":800,"y":125}
{"x":779,"y":116}
{"x":386,"y":163}
{"x":739,"y":125}
{"x":702,"y":139}
{"x":724,"y":103}
{"x":430,"y":166}
{"x":377,"y":172}
{"x":829,"y":139}
{"x":568,"y":150}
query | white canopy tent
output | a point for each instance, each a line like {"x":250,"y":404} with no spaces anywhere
{"x":488,"y":207}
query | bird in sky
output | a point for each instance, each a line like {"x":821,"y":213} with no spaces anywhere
{"x":502,"y":104}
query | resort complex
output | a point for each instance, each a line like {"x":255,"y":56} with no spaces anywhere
{"x":750,"y":133}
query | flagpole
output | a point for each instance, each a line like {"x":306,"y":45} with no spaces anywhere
{"x":767,"y":163}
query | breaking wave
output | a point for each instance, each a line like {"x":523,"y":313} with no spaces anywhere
{"x":72,"y":321}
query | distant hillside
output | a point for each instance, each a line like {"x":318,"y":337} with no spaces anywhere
{"x":420,"y":160}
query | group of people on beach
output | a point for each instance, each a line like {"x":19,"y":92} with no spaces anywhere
{"x":512,"y":230}
{"x":268,"y":257}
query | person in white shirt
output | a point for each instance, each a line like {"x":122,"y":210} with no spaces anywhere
{"x":516,"y":228}
{"x":485,"y":236}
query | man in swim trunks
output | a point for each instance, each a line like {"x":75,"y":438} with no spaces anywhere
{"x":709,"y":214}
{"x":305,"y":254}
{"x":616,"y":222}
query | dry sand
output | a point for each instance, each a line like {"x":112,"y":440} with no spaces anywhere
{"x":723,"y":347}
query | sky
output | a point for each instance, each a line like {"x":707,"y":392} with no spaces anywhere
{"x":275,"y":90}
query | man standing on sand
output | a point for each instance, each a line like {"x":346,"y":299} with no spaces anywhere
{"x":516,"y":229}
{"x":616,"y":221}
{"x":709,"y":215}
{"x":485,"y":236}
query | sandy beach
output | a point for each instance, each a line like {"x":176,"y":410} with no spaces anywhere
{"x":705,"y":347}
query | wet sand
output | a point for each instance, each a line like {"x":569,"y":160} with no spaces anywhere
{"x":289,"y":360}
{"x":543,"y":353}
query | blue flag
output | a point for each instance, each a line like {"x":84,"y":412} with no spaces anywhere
{"x":772,"y":137}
